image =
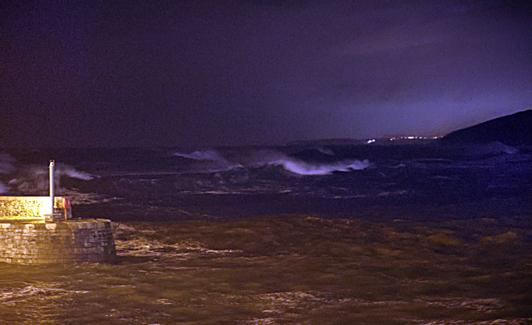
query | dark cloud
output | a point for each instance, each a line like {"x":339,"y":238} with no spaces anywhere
{"x":238,"y":72}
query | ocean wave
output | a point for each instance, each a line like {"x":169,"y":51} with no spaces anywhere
{"x":144,"y":247}
{"x":392,"y":193}
{"x":312,"y":169}
{"x":325,"y":151}
{"x":78,"y":197}
{"x":494,"y":148}
{"x":208,"y":155}
{"x":31,"y":179}
{"x":267,"y":157}
{"x":210,"y":161}
{"x":17,"y":295}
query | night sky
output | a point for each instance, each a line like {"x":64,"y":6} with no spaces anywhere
{"x":200,"y":73}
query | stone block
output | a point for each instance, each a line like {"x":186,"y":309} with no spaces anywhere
{"x":63,"y":242}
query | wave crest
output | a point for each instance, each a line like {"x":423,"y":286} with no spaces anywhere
{"x":308,"y":169}
{"x":265,"y":157}
{"x":209,"y":155}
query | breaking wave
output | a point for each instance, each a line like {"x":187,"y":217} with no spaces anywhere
{"x":325,"y":151}
{"x":494,"y":148}
{"x":29,"y":179}
{"x":208,"y":155}
{"x":260,"y":158}
{"x":209,"y":161}
{"x":304,"y":168}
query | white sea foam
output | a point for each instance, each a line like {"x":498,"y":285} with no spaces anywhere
{"x":142,"y":246}
{"x":300,"y":167}
{"x":15,"y":295}
{"x":303,"y":168}
{"x":266,"y":157}
{"x":31,"y":179}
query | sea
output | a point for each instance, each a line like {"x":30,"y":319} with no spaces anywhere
{"x":314,"y":232}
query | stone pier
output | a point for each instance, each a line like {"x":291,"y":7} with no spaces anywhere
{"x":26,"y":237}
{"x":61,"y":242}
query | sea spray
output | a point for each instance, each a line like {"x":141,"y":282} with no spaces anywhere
{"x":209,"y":155}
{"x":217,"y":162}
{"x":71,"y":172}
{"x":6,"y":163}
{"x":30,"y":179}
{"x":308,"y":169}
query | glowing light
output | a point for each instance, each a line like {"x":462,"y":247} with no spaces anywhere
{"x":30,"y":208}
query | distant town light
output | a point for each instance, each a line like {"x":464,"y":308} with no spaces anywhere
{"x":412,"y":137}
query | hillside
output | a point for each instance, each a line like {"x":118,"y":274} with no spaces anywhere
{"x":514,"y":129}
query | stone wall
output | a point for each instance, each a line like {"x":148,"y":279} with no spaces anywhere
{"x":61,"y":242}
{"x":30,"y":208}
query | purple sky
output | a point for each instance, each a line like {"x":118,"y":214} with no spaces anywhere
{"x":134,"y":73}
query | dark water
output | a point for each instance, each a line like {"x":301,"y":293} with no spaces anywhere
{"x":410,"y":234}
